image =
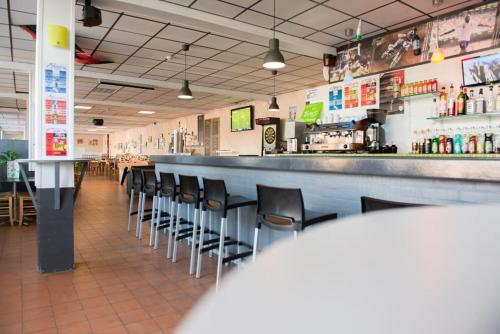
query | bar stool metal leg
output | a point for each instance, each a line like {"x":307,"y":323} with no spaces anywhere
{"x":139,"y":210}
{"x":238,"y":236}
{"x":193,"y":242}
{"x":295,"y":235}
{"x":161,"y":204}
{"x":131,"y":207}
{"x":156,"y":204}
{"x":255,"y":243}
{"x":177,"y":223}
{"x":210,"y":213}
{"x":171,"y":228}
{"x":200,"y":245}
{"x":220,"y":257}
{"x":142,"y":214}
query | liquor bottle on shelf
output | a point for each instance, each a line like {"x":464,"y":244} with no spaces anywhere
{"x":434,"y":85}
{"x":470,"y":104}
{"x":490,"y":101}
{"x":443,"y":100}
{"x":442,"y":143}
{"x":461,"y":101}
{"x":435,"y":108}
{"x":451,"y":102}
{"x":457,"y":148}
{"x":414,"y":143}
{"x":480,"y":144}
{"x":480,"y":107}
{"x":465,"y":141}
{"x":488,"y":143}
{"x":472,"y":141}
{"x":435,"y":142}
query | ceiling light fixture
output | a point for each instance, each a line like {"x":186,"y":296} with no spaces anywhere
{"x":274,"y":102}
{"x":274,"y":58}
{"x":185,"y":93}
{"x":146,"y":112}
{"x":124,"y":84}
{"x":83,"y":107}
{"x":359,"y":35}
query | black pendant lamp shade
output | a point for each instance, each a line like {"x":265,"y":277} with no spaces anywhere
{"x":185,"y":93}
{"x":274,"y":59}
{"x":274,"y":102}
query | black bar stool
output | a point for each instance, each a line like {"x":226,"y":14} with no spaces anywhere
{"x":282,"y":209}
{"x":190,"y":195}
{"x":164,"y":219}
{"x":369,"y":204}
{"x":135,"y":189}
{"x":149,"y":189}
{"x":217,"y":200}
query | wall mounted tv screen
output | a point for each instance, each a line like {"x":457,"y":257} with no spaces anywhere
{"x":242,"y":119}
{"x":481,"y":70}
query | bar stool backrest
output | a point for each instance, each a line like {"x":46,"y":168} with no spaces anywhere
{"x":149,"y":182}
{"x":369,"y":204}
{"x":189,"y":190}
{"x":280,"y":208}
{"x":167,"y":185}
{"x":215,"y":195}
{"x":137,"y":180}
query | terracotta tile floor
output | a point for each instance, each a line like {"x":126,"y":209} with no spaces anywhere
{"x":119,"y":285}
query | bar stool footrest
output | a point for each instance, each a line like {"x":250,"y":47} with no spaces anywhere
{"x":237,"y":256}
{"x":212,"y":244}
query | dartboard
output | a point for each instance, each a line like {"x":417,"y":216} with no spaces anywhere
{"x":270,"y":135}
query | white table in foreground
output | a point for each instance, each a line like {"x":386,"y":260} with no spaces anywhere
{"x":426,"y":270}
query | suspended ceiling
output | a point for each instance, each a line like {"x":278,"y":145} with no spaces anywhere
{"x":141,"y":47}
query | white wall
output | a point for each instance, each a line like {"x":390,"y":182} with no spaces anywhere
{"x":86,"y":148}
{"x":399,"y":128}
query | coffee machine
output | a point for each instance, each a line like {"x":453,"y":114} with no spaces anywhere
{"x":365,"y":135}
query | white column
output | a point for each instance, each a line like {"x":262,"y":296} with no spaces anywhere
{"x":54,"y":91}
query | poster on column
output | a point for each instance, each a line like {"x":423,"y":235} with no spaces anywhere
{"x":335,"y":94}
{"x":55,"y":79}
{"x":55,"y":110}
{"x":56,"y":142}
{"x":351,"y":95}
{"x":369,"y":92}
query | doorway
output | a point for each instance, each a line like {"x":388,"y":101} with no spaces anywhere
{"x":211,"y":136}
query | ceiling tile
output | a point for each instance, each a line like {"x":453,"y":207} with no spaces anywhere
{"x":230,"y":57}
{"x":248,"y":49}
{"x":21,"y":18}
{"x":285,"y":9}
{"x":152,"y":54}
{"x":217,"y":42}
{"x":242,"y":3}
{"x":180,"y":2}
{"x":304,"y":61}
{"x":356,"y":7}
{"x":117,"y":48}
{"x":294,"y":29}
{"x":213,"y":64}
{"x":137,"y":25}
{"x":339,"y":29}
{"x":139,"y":61}
{"x":240,"y":69}
{"x":323,"y":38}
{"x":119,"y":36}
{"x":87,"y":43}
{"x":258,"y":19}
{"x":133,"y":68}
{"x":91,"y":32}
{"x":177,"y":33}
{"x":23,"y":44}
{"x":217,"y":7}
{"x":201,"y":51}
{"x":391,"y":14}
{"x":164,"y":45}
{"x":320,"y":17}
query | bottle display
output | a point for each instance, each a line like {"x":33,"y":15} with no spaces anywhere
{"x":470,"y":104}
{"x":417,"y":50}
{"x":480,"y":107}
{"x":451,"y":107}
{"x":490,"y":100}
{"x":461,"y":101}
{"x":443,"y":100}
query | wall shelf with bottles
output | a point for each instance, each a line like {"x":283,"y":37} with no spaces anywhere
{"x":417,"y":96}
{"x":447,"y":118}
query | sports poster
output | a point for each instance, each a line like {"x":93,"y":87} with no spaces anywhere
{"x":369,"y":92}
{"x":351,"y":95}
{"x":335,"y":96}
{"x":55,"y":107}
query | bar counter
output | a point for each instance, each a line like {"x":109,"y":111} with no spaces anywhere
{"x":463,"y":167}
{"x":335,"y":182}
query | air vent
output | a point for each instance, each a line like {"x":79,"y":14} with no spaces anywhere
{"x":101,"y":90}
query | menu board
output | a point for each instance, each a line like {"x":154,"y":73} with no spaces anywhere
{"x":369,"y":92}
{"x":335,"y":95}
{"x":312,"y":112}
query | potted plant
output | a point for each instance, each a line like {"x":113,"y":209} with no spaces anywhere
{"x":9,"y":158}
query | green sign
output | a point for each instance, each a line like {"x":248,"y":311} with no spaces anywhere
{"x":312,"y":112}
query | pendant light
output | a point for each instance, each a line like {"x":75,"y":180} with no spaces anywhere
{"x":274,"y":102}
{"x":185,"y":93}
{"x":359,"y":35}
{"x":274,"y":58}
{"x":348,"y":77}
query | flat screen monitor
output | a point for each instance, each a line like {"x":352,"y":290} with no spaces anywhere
{"x":242,"y":119}
{"x":481,"y":70}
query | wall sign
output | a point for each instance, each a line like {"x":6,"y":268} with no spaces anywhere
{"x":369,"y":92}
{"x":312,"y":112}
{"x":335,"y":95}
{"x":351,"y":95}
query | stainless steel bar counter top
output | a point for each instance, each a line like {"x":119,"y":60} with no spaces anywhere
{"x":472,"y":168}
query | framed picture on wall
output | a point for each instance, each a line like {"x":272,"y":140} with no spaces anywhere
{"x":79,"y":141}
